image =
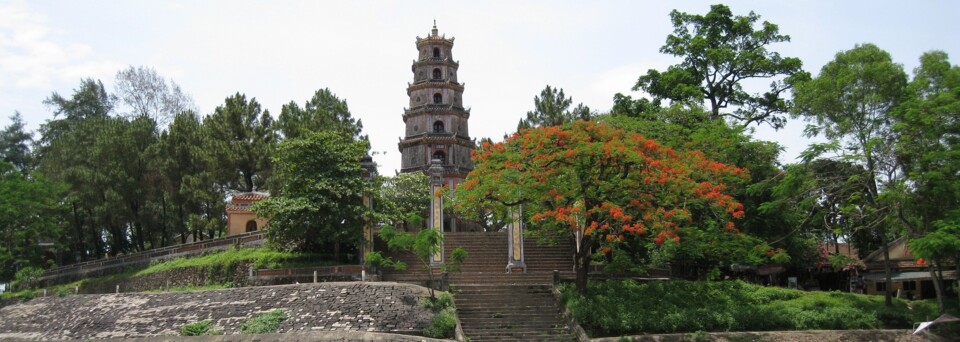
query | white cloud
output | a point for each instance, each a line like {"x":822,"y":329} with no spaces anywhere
{"x":31,"y":56}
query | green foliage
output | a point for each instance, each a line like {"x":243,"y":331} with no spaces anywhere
{"x":552,"y":108}
{"x":241,"y":139}
{"x":424,"y":245}
{"x":265,"y":323}
{"x":719,"y":52}
{"x":28,"y":210}
{"x":376,"y":259}
{"x":440,"y":303}
{"x":198,"y":329}
{"x":320,"y":201}
{"x":323,"y":112}
{"x":457,"y":256}
{"x":443,"y":325}
{"x":26,"y":277}
{"x":615,"y":308}
{"x":403,"y":199}
{"x":15,"y":144}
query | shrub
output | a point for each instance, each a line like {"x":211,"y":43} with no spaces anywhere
{"x":26,"y":277}
{"x":616,"y":308}
{"x":198,"y":329}
{"x":443,"y":301}
{"x":265,"y":323}
{"x":443,"y":325}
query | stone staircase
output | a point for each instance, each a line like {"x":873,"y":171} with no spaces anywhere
{"x":494,"y":305}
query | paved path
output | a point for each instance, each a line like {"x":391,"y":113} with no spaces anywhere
{"x":353,"y":306}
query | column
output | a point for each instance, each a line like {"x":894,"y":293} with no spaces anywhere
{"x":515,"y":263}
{"x":436,"y":209}
{"x":369,"y":171}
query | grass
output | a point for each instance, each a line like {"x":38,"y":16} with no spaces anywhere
{"x":615,"y":308}
{"x":265,"y":323}
{"x":220,"y":264}
{"x":199,"y":329}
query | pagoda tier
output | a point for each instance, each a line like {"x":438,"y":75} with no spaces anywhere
{"x":436,"y":121}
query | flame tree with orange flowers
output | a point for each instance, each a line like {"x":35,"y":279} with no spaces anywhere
{"x":608,"y":189}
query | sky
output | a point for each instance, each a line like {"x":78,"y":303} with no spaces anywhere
{"x":282,"y":51}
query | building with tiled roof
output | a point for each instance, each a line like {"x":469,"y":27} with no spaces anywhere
{"x":240,"y":216}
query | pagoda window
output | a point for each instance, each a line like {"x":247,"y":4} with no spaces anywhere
{"x":440,"y":155}
{"x":437,"y":98}
{"x":436,"y":52}
{"x":438,"y":127}
{"x":251,"y":226}
{"x":436,"y":73}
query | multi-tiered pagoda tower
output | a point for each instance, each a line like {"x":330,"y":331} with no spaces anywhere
{"x":436,"y":122}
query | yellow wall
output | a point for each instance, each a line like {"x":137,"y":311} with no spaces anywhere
{"x":237,"y":222}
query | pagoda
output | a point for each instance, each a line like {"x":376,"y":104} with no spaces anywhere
{"x":436,"y":122}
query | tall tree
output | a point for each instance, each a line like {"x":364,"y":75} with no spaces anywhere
{"x":323,"y":112}
{"x":187,"y":177}
{"x":928,"y":149}
{"x":63,"y":156}
{"x":688,"y":128}
{"x":144,"y":93}
{"x":719,"y":52}
{"x":29,"y":212}
{"x":606,"y":189}
{"x":552,"y":108}
{"x":405,"y":199}
{"x":320,"y":199}
{"x":850,"y":103}
{"x":15,"y":144}
{"x":242,"y":138}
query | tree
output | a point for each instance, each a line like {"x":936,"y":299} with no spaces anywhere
{"x":719,"y":52}
{"x":552,"y":108}
{"x":688,"y":128}
{"x":603,"y":187}
{"x":323,"y":112}
{"x":15,"y":144}
{"x":187,"y":178}
{"x":928,"y":145}
{"x":29,"y":211}
{"x":63,"y":156}
{"x":424,"y":245}
{"x":320,"y":199}
{"x":241,"y":138}
{"x":624,"y":105}
{"x":405,"y":199}
{"x":850,"y":103}
{"x":144,"y":93}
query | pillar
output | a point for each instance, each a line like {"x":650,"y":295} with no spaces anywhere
{"x":436,"y":209}
{"x":515,"y":263}
{"x":369,"y":171}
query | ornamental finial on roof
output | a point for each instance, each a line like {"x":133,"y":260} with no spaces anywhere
{"x":434,"y":27}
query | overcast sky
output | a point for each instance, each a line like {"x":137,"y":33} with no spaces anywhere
{"x":281,"y":51}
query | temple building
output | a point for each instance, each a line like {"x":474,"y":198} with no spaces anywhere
{"x":240,"y":218}
{"x":436,"y":122}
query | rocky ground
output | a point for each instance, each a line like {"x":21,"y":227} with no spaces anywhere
{"x":352,"y":306}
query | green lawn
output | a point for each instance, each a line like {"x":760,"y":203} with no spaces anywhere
{"x":220,"y":262}
{"x":615,"y":308}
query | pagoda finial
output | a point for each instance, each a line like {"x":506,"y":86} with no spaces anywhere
{"x":434,"y":27}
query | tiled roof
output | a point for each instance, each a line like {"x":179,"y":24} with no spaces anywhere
{"x":250,"y":196}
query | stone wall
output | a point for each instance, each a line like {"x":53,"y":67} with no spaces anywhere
{"x":355,"y":306}
{"x":181,"y":277}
